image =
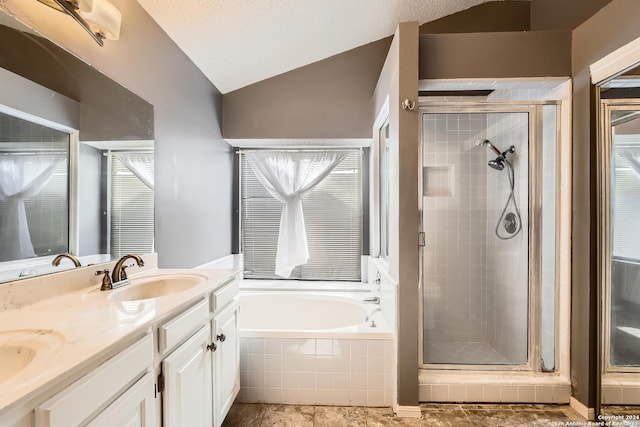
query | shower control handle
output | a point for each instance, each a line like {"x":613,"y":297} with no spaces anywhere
{"x":212,"y":347}
{"x":221,"y":337}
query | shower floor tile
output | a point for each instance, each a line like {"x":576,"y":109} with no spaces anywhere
{"x":463,"y":353}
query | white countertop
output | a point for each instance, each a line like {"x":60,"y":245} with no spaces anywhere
{"x":84,"y":327}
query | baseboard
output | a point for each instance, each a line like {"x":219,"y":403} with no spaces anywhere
{"x":408,"y":411}
{"x":586,"y":413}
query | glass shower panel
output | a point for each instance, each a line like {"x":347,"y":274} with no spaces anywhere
{"x":625,"y":262}
{"x":475,"y":217}
{"x":549,"y":185}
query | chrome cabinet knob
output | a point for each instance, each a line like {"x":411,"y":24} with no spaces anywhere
{"x":212,"y":347}
{"x":221,"y":337}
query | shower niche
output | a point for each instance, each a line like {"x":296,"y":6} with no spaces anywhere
{"x":482,"y":177}
{"x":438,"y":181}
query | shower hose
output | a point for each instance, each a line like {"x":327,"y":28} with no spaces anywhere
{"x":511,"y":198}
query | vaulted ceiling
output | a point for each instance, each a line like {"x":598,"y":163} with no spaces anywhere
{"x":239,"y":42}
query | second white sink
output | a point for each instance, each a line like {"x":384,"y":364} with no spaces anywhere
{"x":156,"y":286}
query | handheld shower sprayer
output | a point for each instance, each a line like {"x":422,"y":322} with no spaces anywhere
{"x":512,"y":222}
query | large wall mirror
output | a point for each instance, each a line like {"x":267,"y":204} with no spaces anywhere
{"x":619,"y":162}
{"x":76,"y":160}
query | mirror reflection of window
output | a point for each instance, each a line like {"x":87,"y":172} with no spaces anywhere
{"x":625,"y":268}
{"x":384,"y":189}
{"x":131,"y":203}
{"x":34,"y":191}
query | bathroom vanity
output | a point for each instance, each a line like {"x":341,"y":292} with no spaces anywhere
{"x":163,"y":350}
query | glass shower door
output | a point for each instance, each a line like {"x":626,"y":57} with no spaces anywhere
{"x":475,"y":195}
{"x":623,"y":290}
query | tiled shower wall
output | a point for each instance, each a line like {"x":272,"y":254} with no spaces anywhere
{"x":454,"y":217}
{"x":508,"y":260}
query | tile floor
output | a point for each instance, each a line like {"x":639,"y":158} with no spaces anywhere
{"x":449,"y":415}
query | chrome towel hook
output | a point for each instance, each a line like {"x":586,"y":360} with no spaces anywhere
{"x":408,"y":104}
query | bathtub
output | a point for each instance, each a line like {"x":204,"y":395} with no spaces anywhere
{"x":313,"y":348}
{"x":280,"y":314}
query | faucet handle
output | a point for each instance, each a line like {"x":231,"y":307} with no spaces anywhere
{"x":123,"y":271}
{"x":106,"y":280}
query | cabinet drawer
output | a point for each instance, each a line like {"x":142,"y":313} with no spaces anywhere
{"x":76,"y":403}
{"x":225,"y":294}
{"x":181,"y":327}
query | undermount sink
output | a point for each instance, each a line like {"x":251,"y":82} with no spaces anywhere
{"x":20,"y":348}
{"x":156,"y":287}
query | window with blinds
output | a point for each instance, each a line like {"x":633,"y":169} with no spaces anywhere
{"x":132,"y":222}
{"x":626,"y":211}
{"x":333,"y":220}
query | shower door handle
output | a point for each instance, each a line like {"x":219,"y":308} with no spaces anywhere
{"x":422,"y":239}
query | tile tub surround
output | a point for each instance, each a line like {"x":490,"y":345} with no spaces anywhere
{"x":353,"y":372}
{"x":92,"y":327}
{"x":448,"y":415}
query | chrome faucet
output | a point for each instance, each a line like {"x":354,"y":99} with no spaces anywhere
{"x":74,"y":260}
{"x":119,"y":274}
{"x":371,"y":300}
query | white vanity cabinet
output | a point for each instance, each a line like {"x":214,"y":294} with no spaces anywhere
{"x":186,"y":398}
{"x":123,"y":382}
{"x":227,"y":359}
{"x":199,"y":372}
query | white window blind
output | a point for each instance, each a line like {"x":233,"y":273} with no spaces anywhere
{"x":626,"y":211}
{"x":333,"y":220}
{"x":132,"y":222}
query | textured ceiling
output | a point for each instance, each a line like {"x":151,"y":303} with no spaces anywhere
{"x":239,"y":42}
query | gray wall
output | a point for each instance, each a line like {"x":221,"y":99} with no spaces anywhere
{"x":562,"y":14}
{"x":614,"y":26}
{"x":399,"y":80}
{"x":495,"y":55}
{"x":193,"y":163}
{"x":327,"y":99}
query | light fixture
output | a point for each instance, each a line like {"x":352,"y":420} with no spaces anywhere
{"x":99,"y":18}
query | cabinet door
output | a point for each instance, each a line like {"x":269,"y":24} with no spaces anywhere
{"x":186,"y":399}
{"x":134,"y":408}
{"x":227,"y":360}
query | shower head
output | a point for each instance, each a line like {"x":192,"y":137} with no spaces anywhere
{"x":497,"y":164}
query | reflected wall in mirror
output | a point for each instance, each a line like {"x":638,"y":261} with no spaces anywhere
{"x":620,"y":253}
{"x":88,"y":172}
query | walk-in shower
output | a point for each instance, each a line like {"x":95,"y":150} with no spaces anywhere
{"x":510,"y":218}
{"x":481,"y":263}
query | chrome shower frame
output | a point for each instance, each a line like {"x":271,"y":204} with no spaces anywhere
{"x":534,"y":109}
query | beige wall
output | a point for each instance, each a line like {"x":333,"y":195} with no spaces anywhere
{"x":327,"y":99}
{"x":493,"y":16}
{"x":562,"y":14}
{"x":614,"y":26}
{"x":495,"y":55}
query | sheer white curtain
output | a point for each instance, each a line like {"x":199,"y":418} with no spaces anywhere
{"x":287,"y":176}
{"x":631,"y":155}
{"x":21,"y":177}
{"x":140,"y":164}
